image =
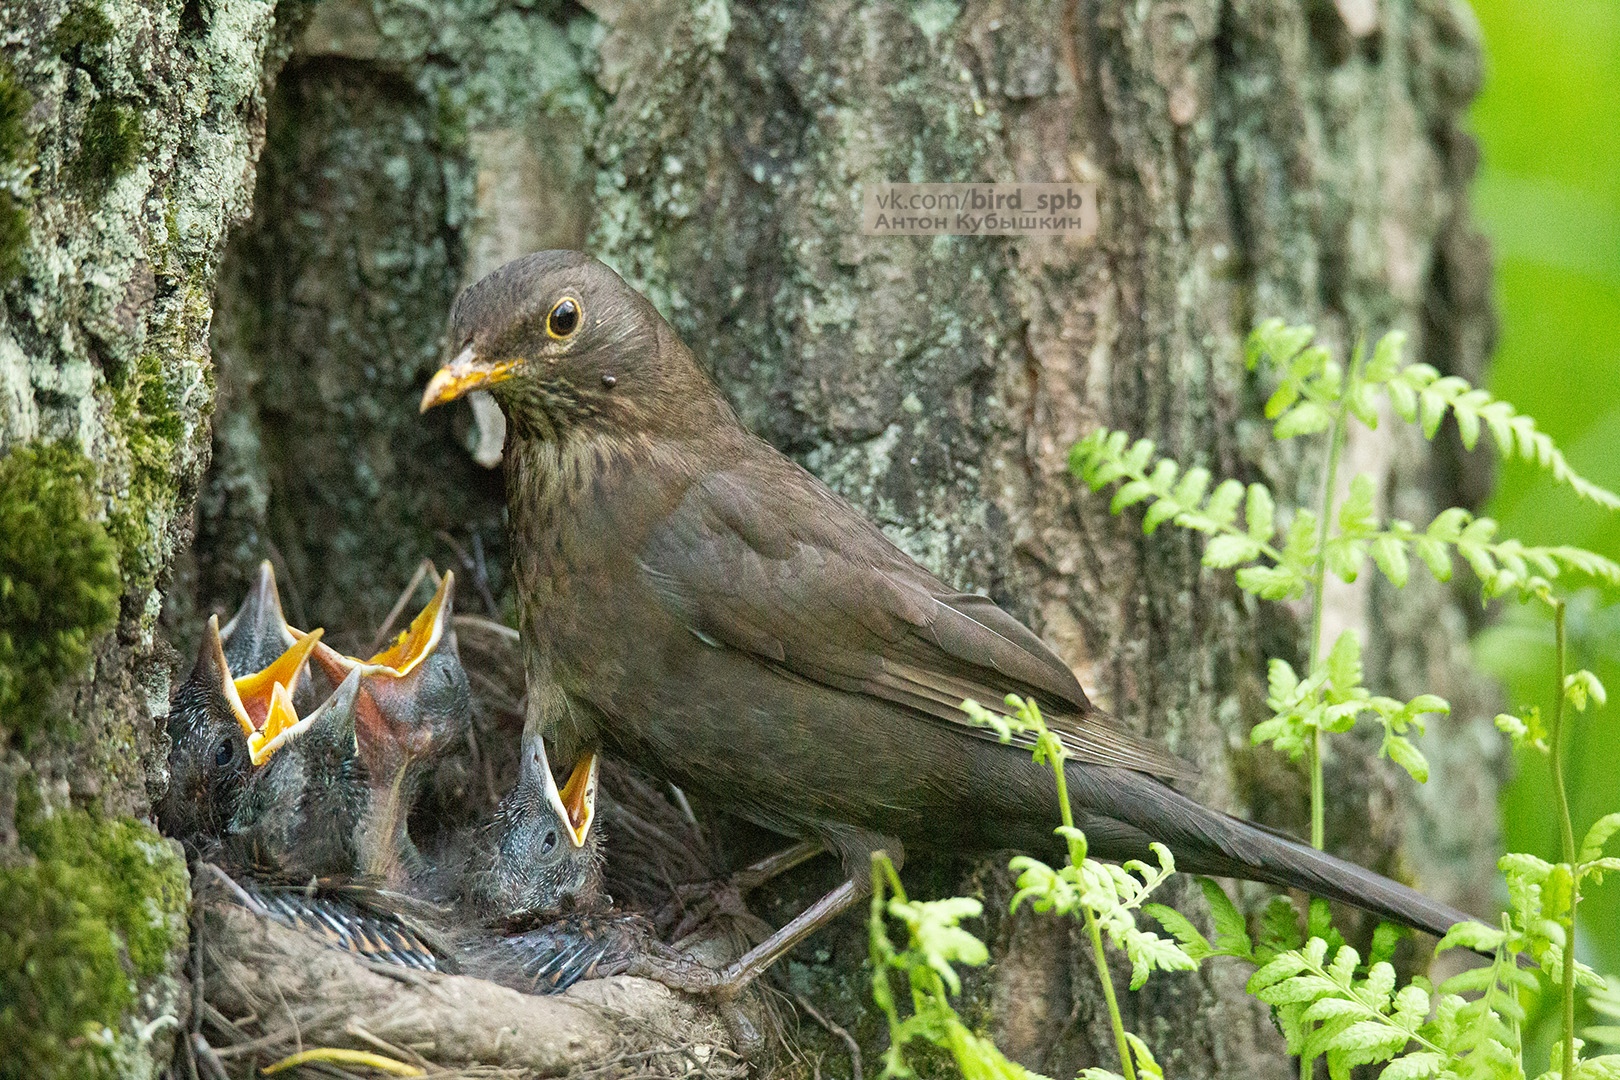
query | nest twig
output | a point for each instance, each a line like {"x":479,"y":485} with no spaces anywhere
{"x":272,"y":991}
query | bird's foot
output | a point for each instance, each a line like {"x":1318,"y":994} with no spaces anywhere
{"x":697,"y":903}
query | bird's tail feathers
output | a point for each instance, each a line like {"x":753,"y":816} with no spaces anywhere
{"x":1207,"y":841}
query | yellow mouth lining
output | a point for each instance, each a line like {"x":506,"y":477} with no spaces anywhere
{"x":579,"y":798}
{"x":281,"y":723}
{"x":254,"y":694}
{"x":417,"y":641}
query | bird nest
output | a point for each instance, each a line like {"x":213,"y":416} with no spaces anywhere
{"x":268,"y":996}
{"x":263,"y":993}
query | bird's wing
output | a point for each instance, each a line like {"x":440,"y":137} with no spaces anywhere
{"x":765,"y":559}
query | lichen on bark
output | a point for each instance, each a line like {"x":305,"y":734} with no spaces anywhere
{"x":128,"y":132}
{"x":93,"y":924}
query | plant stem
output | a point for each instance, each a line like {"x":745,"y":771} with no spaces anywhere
{"x":1566,"y":835}
{"x":1330,"y":481}
{"x":1313,"y":748}
{"x":1057,"y":755}
{"x":1126,"y":1066}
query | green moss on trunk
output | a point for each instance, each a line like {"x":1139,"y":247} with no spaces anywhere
{"x":59,"y":581}
{"x":89,"y":918}
{"x":15,"y":149}
{"x":110,"y":145}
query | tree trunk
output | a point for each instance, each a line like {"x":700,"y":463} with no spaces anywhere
{"x":128,"y":136}
{"x":1293,"y":158}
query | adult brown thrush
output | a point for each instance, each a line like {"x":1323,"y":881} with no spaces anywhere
{"x":700,"y":605}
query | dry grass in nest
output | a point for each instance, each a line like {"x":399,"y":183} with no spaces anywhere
{"x":266,"y":992}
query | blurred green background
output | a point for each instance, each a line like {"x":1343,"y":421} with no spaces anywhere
{"x":1548,"y":194}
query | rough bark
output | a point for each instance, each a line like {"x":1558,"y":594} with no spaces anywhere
{"x":128,"y":137}
{"x":1255,"y":157}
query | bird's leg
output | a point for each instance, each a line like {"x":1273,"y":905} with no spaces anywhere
{"x":726,"y":896}
{"x":751,"y":964}
{"x":775,"y":864}
{"x":731,"y":980}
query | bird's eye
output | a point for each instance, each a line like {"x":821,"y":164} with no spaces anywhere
{"x":548,"y":843}
{"x":224,"y":752}
{"x":564,"y":318}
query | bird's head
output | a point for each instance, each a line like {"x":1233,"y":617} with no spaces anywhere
{"x":415,"y":701}
{"x":258,"y":633}
{"x":302,"y":802}
{"x":218,"y":725}
{"x":546,"y":854}
{"x":561,"y":343}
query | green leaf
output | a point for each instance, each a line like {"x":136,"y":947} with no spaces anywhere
{"x":1343,"y":558}
{"x":1281,"y":398}
{"x":1285,"y":966}
{"x":1260,"y":514}
{"x":1606,"y":1067}
{"x":1231,"y":931}
{"x":1448,"y":524}
{"x":1129,"y":495}
{"x":1434,"y":555}
{"x":1344,"y":662}
{"x":1149,"y":952}
{"x":1517,"y":864}
{"x":1369,"y":1041}
{"x":1467,"y":423}
{"x":1362,"y":401}
{"x":1426,"y":703}
{"x":1431,"y":410}
{"x":1225,"y":551}
{"x":1158,"y":514}
{"x":1146,"y":1066}
{"x":1357,"y":512}
{"x":1386,"y":357}
{"x":1386,"y":936}
{"x":1281,"y":682}
{"x":1306,"y":418}
{"x":1403,"y":399}
{"x":1409,"y":757}
{"x":1417,"y":1066}
{"x":1271,"y":582}
{"x":1583,"y":686}
{"x":1389,"y":554}
{"x":1300,"y":988}
{"x":1222,"y":507}
{"x":1279,"y":925}
{"x":1190,"y":491}
{"x":1598,"y":836}
{"x":1181,"y":928}
{"x":1276,"y":341}
{"x":1332,"y":1008}
{"x":1472,"y":935}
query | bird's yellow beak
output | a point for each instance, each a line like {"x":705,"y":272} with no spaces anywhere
{"x":462,"y":376}
{"x":578,"y":798}
{"x":417,"y":642}
{"x":254,"y":698}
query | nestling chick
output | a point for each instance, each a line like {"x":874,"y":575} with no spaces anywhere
{"x":225,"y":703}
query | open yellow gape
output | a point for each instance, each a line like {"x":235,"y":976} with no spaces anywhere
{"x":262,"y":702}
